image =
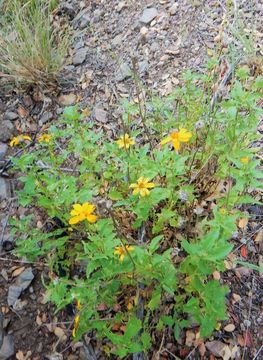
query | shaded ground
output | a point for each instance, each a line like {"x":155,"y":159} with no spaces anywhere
{"x":98,"y":75}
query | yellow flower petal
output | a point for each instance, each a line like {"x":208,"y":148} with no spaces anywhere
{"x":176,"y":144}
{"x":150,"y":185}
{"x":136,"y":191}
{"x":144,"y":192}
{"x":166,"y":140}
{"x":87,"y":207}
{"x":184,"y":135}
{"x":122,"y":257}
{"x":75,"y":220}
{"x":92,"y":218}
{"x":26,"y":137}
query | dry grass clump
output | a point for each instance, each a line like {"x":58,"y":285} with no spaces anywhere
{"x":31,"y":49}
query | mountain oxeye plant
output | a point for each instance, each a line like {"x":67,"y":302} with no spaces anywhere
{"x":141,"y":222}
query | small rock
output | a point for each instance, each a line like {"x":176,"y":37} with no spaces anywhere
{"x":3,"y":150}
{"x":143,"y":66}
{"x":10,"y":115}
{"x":247,"y":323}
{"x":46,"y":117}
{"x":4,"y":274}
{"x":25,"y":278}
{"x":97,"y":15}
{"x":148,"y":15}
{"x":121,"y":5}
{"x":8,"y":349}
{"x":19,"y":305}
{"x":173,"y":9}
{"x":229,"y":327}
{"x":80,"y":56}
{"x":144,"y":30}
{"x":124,"y":72}
{"x":100,"y":115}
{"x":4,"y":189}
{"x":154,"y":47}
{"x":84,"y":22}
{"x":67,"y":100}
{"x":13,"y":294}
{"x":117,"y":40}
{"x":7,"y":130}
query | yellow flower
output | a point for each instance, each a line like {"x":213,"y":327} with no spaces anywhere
{"x":82,"y":212}
{"x":129,"y":306}
{"x":44,"y":138}
{"x":244,"y":160}
{"x":222,"y":211}
{"x":177,"y":137}
{"x":17,"y":139}
{"x":76,"y":324}
{"x":125,"y":142}
{"x":142,"y":186}
{"x":119,"y":250}
{"x":78,"y":304}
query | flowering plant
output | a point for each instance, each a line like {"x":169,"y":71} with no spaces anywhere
{"x":139,"y":227}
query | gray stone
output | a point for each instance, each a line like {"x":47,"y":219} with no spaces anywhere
{"x":46,"y":117}
{"x":25,"y":278}
{"x":3,"y":150}
{"x":155,"y":46}
{"x":97,"y":15}
{"x":100,"y":115}
{"x":117,"y":40}
{"x":7,"y":130}
{"x":148,"y":15}
{"x":13,"y":294}
{"x":83,"y":14}
{"x":123,"y":72}
{"x":143,"y":66}
{"x":84,"y":22}
{"x":173,"y":9}
{"x":8,"y":348}
{"x":80,"y":56}
{"x":10,"y":115}
{"x":4,"y":189}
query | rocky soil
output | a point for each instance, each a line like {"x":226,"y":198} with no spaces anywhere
{"x":160,"y":39}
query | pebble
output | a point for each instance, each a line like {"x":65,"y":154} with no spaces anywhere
{"x":8,"y":348}
{"x":3,"y":150}
{"x":143,"y":66}
{"x":84,"y":22}
{"x":46,"y":117}
{"x":13,"y":294}
{"x":100,"y":115}
{"x":80,"y":56}
{"x":247,"y":323}
{"x":148,"y":15}
{"x":173,"y":9}
{"x":123,"y":72}
{"x":10,"y":115}
{"x":7,"y":130}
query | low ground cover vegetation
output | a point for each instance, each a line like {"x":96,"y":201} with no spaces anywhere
{"x":142,"y":224}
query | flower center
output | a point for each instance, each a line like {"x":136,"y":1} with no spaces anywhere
{"x":175,"y":135}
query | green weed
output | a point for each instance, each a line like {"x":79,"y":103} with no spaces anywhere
{"x":145,"y":219}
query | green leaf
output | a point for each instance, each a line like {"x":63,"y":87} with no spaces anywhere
{"x":154,"y":245}
{"x":250,"y":266}
{"x":155,"y":300}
